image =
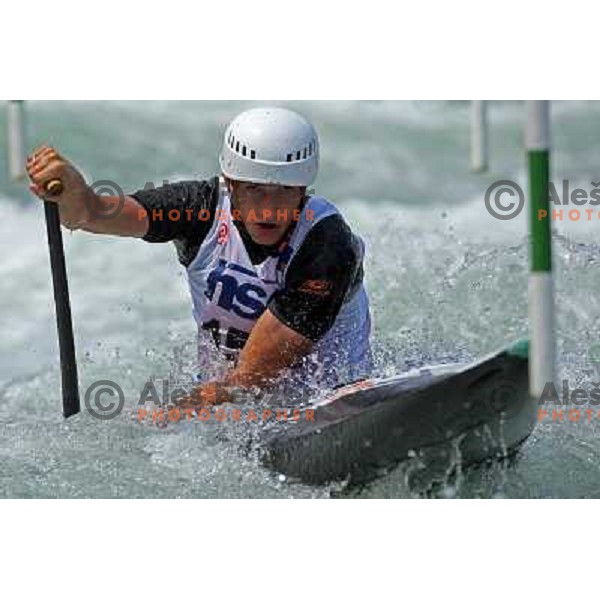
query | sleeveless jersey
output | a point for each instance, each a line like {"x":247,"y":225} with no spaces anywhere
{"x":229,"y":294}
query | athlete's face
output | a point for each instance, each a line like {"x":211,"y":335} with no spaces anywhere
{"x":266,"y":210}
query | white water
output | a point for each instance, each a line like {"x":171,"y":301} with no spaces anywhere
{"x":447,"y":282}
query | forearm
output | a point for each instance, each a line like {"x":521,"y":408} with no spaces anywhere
{"x":113,"y":215}
{"x":79,"y":206}
{"x":271,"y":348}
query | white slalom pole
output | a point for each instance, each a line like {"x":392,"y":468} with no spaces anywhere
{"x":16,"y":139}
{"x":479,"y":136}
{"x":541,"y":292}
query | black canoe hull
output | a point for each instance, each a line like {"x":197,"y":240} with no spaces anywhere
{"x":470,"y":412}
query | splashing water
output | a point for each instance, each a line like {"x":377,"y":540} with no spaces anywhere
{"x":447,"y":283}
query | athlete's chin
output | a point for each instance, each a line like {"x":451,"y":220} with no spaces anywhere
{"x":265,"y":236}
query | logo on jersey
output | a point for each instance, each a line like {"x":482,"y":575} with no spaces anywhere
{"x":223,"y":233}
{"x":247,"y":300}
{"x":318,"y":287}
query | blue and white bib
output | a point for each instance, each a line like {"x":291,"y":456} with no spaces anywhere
{"x":229,"y":294}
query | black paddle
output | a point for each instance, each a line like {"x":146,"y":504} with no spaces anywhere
{"x":66,"y":345}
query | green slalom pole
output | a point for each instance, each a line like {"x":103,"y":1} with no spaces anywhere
{"x":541,"y":286}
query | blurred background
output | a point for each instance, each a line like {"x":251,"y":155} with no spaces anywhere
{"x":447,"y":282}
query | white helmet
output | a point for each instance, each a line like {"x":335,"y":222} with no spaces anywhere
{"x":270,"y":145}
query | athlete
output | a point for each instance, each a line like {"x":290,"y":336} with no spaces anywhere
{"x":275,"y":273}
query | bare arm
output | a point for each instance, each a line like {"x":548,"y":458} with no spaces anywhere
{"x":129,"y":221}
{"x":271,"y":348}
{"x":79,"y":206}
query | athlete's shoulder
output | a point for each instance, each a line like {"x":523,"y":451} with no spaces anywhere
{"x":329,"y":230}
{"x":330,"y":247}
{"x":178,"y":193}
{"x":173,"y":211}
{"x":317,"y":208}
{"x":320,"y":276}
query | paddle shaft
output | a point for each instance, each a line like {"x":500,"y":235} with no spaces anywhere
{"x":66,"y":344}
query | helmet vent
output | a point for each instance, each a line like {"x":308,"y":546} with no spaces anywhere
{"x":306,"y":152}
{"x":235,"y":146}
